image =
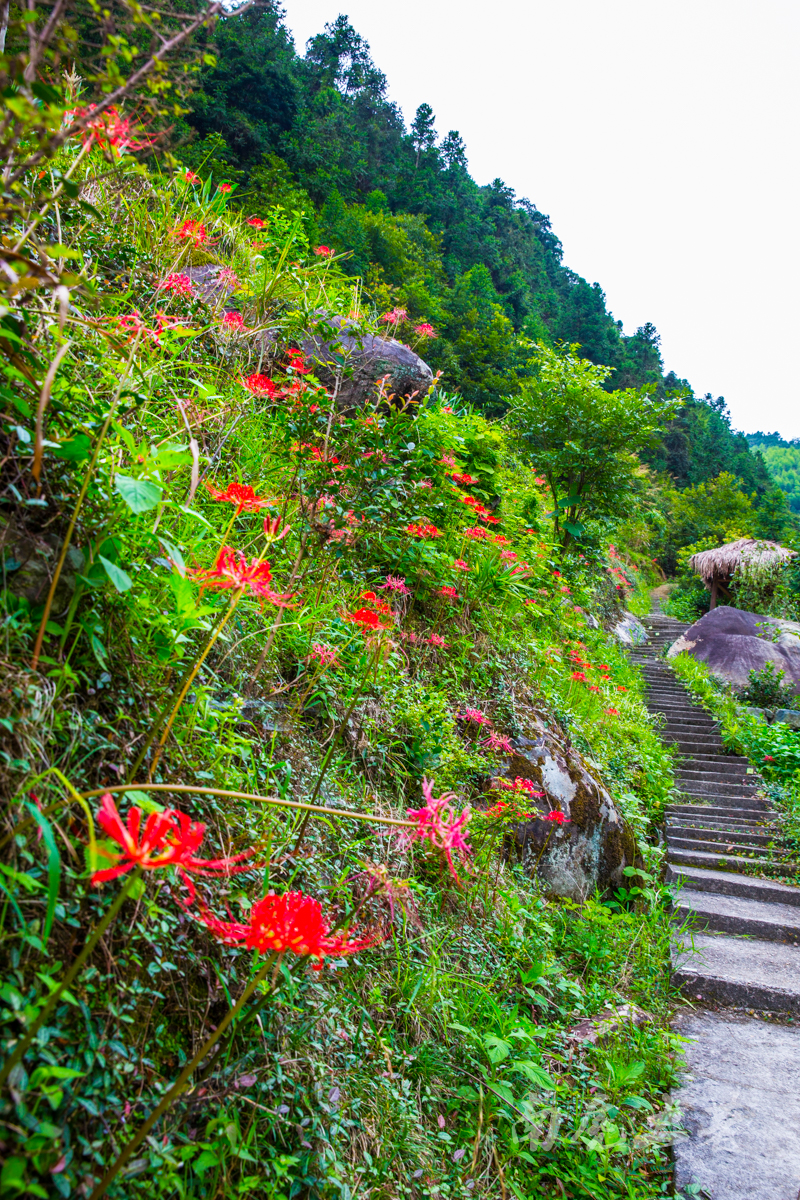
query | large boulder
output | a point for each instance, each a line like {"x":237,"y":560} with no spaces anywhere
{"x":629,"y":630}
{"x":590,"y":850}
{"x":360,"y":360}
{"x":733,"y":643}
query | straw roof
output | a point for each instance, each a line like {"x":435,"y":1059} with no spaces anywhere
{"x":746,"y":552}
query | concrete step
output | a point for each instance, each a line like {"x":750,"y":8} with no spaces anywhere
{"x":718,"y":810}
{"x":744,"y":972}
{"x":702,"y":835}
{"x":736,"y":914}
{"x":727,"y":883}
{"x":741,"y":1106}
{"x":729,"y":862}
{"x":736,"y":768}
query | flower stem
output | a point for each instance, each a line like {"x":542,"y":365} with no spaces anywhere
{"x":180,"y":1083}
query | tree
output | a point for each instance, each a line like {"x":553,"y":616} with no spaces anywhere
{"x":423,"y":133}
{"x":584,"y":439}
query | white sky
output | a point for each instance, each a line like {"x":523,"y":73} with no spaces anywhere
{"x":661,"y":138}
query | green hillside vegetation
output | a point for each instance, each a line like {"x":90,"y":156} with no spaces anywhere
{"x":276,"y":668}
{"x":782,"y":460}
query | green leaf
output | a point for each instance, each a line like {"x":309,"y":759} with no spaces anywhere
{"x":76,"y":449}
{"x":496,"y":1048}
{"x":120,"y":579}
{"x":535,"y":1073}
{"x":53,"y":866}
{"x":140,"y":495}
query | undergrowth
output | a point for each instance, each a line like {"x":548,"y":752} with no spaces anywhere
{"x":374,"y":610}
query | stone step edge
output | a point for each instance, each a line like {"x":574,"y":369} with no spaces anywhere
{"x":783,"y":927}
{"x":727,"y":883}
{"x":730,"y":862}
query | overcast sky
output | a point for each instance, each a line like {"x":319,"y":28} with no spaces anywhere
{"x":661,"y":138}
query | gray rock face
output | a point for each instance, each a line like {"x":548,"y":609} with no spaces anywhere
{"x":590,"y":850}
{"x":733,"y":643}
{"x":367,"y":359}
{"x":787,"y":716}
{"x":629,"y":630}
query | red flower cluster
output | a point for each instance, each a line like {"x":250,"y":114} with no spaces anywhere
{"x":473,"y":716}
{"x":436,"y":822}
{"x":297,"y":362}
{"x":180,"y":284}
{"x":395,"y":316}
{"x":324,"y":655}
{"x":190,"y":177}
{"x":256,"y":222}
{"x":424,"y":531}
{"x":231,"y":570}
{"x":133,"y":323}
{"x":224,"y":188}
{"x":369,"y":618}
{"x":233,"y":321}
{"x":193,"y":231}
{"x":292,"y":923}
{"x":519,"y":785}
{"x":169,"y":839}
{"x":499,"y":743}
{"x":425,"y":330}
{"x":476,"y":533}
{"x":463,"y":479}
{"x":110,"y":131}
{"x":324,"y":251}
{"x":240,"y":494}
{"x":395,"y":583}
{"x":449,"y":593}
{"x":259,"y":385}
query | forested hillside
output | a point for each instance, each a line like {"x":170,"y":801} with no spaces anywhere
{"x":783,"y":463}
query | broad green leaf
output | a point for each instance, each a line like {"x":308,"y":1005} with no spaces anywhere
{"x":120,"y":579}
{"x":535,"y":1073}
{"x":496,"y":1048}
{"x":140,"y":495}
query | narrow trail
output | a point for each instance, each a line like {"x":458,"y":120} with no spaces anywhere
{"x":740,"y":955}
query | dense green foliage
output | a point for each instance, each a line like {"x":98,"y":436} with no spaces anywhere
{"x":782,"y":459}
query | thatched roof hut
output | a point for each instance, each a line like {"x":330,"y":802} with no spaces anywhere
{"x":717,"y":567}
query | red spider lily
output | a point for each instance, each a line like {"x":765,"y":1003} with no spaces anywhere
{"x":620,"y":688}
{"x":473,"y":716}
{"x":169,"y":839}
{"x":133,"y":324}
{"x":476,"y":533}
{"x":499,"y":743}
{"x":605,"y":667}
{"x":447,"y":461}
{"x":437,"y":823}
{"x":394,"y":317}
{"x":256,"y":222}
{"x":190,"y":177}
{"x":379,"y":605}
{"x":449,"y":593}
{"x":436,"y":640}
{"x":463,"y":479}
{"x":324,"y":655}
{"x":460,"y":565}
{"x":323,"y":251}
{"x":271,"y":527}
{"x":233,"y":321}
{"x":367,"y":619}
{"x":557,"y":818}
{"x":578,"y":676}
{"x":180,"y":284}
{"x":232,"y":571}
{"x":499,"y":539}
{"x":290,"y":923}
{"x":488,"y":518}
{"x":259,"y":385}
{"x":508,"y":556}
{"x":520,"y":785}
{"x":611,"y":712}
{"x":593,"y":688}
{"x":110,"y":131}
{"x":297,"y":362}
{"x":240,"y":494}
{"x":224,"y":188}
{"x":769,"y":758}
{"x":424,"y":531}
{"x":193,"y":231}
{"x":395,"y":583}
{"x":539,"y":481}
{"x":425,"y":330}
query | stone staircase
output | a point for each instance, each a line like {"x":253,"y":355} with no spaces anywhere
{"x":737,"y":947}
